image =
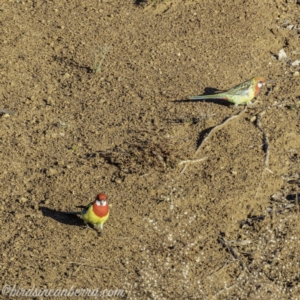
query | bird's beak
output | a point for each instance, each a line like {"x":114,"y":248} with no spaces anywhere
{"x":103,"y":202}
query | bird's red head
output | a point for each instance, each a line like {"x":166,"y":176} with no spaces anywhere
{"x":258,"y":82}
{"x":100,"y":206}
{"x":100,"y":200}
{"x":101,"y":197}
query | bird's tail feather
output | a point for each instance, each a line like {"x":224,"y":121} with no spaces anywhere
{"x":216,"y":96}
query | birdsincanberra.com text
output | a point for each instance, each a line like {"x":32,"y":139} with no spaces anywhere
{"x":16,"y":291}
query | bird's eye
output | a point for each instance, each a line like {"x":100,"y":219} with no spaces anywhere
{"x":260,"y":84}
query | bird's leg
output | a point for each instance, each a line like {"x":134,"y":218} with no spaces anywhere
{"x":87,"y":226}
{"x":99,"y":228}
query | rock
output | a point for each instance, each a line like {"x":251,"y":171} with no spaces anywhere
{"x":118,"y":180}
{"x":296,"y":63}
{"x":282,"y":55}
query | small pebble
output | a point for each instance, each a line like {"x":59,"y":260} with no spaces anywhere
{"x":22,"y":200}
{"x":118,"y":181}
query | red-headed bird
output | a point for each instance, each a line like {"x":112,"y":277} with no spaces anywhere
{"x":240,"y":94}
{"x":95,"y":213}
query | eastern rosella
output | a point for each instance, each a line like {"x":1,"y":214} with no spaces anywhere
{"x":240,"y":94}
{"x":95,"y":213}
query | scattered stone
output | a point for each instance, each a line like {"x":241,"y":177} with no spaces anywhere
{"x":118,"y":180}
{"x":282,"y":55}
{"x":51,"y":172}
{"x":23,"y":200}
{"x":50,"y":101}
{"x":296,"y":63}
{"x":66,"y":76}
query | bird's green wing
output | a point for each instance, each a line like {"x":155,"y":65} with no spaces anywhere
{"x":86,"y":208}
{"x":241,"y":89}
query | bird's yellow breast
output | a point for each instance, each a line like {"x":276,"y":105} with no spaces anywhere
{"x":91,"y":217}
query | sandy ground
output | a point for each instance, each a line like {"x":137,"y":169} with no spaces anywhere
{"x":93,"y":86}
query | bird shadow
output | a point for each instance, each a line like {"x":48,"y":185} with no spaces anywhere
{"x":210,"y":91}
{"x":140,"y":2}
{"x":62,"y":217}
{"x":216,"y":101}
{"x":207,"y":91}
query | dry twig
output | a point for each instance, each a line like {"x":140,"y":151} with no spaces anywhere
{"x":190,"y":161}
{"x":219,"y":127}
{"x":233,"y":252}
{"x":207,"y":137}
{"x":5,"y":111}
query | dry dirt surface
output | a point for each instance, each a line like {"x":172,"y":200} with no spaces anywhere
{"x":94,"y":87}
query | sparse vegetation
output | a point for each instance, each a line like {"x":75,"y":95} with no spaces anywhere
{"x":99,"y":58}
